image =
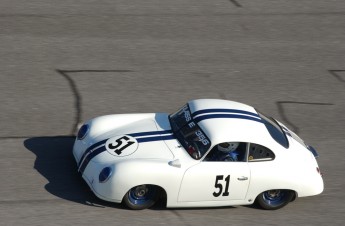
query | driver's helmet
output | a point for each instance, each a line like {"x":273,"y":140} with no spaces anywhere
{"x":228,"y":147}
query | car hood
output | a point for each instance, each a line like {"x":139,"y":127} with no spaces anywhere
{"x":141,"y":136}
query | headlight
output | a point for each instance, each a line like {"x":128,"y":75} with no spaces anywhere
{"x":83,"y":131}
{"x":105,"y":174}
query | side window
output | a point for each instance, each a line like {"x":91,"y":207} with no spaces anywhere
{"x":259,"y":153}
{"x":223,"y":152}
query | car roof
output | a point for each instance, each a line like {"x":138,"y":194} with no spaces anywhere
{"x":224,"y":120}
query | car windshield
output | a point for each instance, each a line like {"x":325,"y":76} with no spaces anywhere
{"x":188,"y":133}
{"x":275,"y":130}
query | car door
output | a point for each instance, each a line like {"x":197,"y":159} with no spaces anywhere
{"x":215,"y":181}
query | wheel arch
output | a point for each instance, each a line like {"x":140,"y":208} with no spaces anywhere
{"x":295,"y":195}
{"x":154,"y":172}
{"x":161,"y":190}
{"x":263,"y":200}
{"x":288,"y":189}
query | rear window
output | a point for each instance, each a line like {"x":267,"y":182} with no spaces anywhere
{"x":275,"y":130}
{"x":259,"y":153}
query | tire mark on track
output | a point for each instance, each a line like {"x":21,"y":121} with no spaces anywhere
{"x":281,"y":110}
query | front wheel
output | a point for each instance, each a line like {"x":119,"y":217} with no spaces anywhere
{"x":274,"y":199}
{"x":141,"y":197}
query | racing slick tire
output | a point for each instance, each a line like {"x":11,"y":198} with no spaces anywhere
{"x":141,"y":197}
{"x":274,"y":199}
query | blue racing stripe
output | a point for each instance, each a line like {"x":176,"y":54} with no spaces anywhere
{"x":131,"y":134}
{"x":222,"y":110}
{"x":149,"y":133}
{"x":212,"y":116}
{"x":156,"y":138}
{"x":90,"y":149}
{"x":152,"y":136}
{"x":91,"y":156}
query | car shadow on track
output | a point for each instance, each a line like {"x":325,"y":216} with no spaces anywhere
{"x":55,"y":162}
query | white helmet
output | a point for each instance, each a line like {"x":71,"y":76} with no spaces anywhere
{"x":228,"y":147}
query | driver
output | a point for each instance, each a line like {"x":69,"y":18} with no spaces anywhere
{"x":226,"y":152}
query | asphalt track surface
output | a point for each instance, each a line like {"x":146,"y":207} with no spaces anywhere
{"x":63,"y":62}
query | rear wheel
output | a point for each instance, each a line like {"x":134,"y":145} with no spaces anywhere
{"x":141,"y":197}
{"x":274,"y":199}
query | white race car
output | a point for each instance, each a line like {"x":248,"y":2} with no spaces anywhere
{"x":209,"y":153}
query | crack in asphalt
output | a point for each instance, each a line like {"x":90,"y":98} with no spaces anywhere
{"x":76,"y":94}
{"x":77,"y":98}
{"x":236,"y":3}
{"x":336,"y":75}
{"x":281,"y":111}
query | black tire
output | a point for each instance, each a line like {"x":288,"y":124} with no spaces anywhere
{"x":274,"y":199}
{"x":141,"y":197}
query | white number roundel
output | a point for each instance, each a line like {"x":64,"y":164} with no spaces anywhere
{"x":121,"y":145}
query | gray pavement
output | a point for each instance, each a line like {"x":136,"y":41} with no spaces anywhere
{"x":63,"y":62}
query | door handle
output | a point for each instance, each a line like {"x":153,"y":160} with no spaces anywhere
{"x":242,"y":178}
